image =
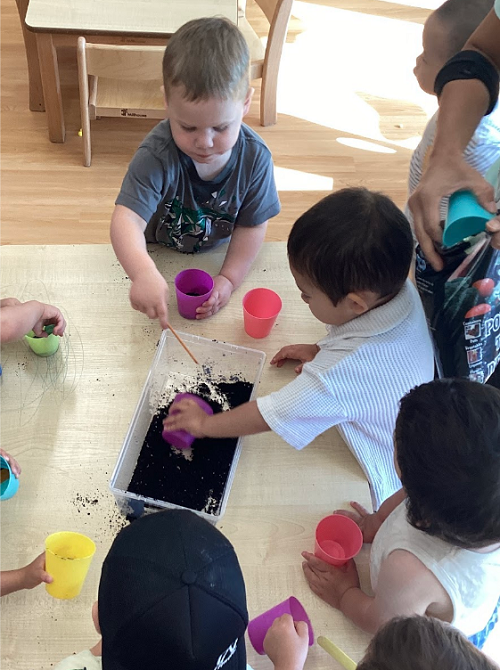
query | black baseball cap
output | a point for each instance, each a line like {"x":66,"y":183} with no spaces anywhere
{"x":172,"y":596}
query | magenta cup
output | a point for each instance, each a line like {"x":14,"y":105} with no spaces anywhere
{"x":180,"y":438}
{"x":338,"y":539}
{"x":261,"y":307}
{"x":258,"y":627}
{"x":192,"y":288}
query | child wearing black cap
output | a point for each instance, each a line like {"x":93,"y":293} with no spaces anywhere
{"x":172,"y":595}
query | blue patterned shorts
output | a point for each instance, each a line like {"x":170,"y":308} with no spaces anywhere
{"x":479,"y":639}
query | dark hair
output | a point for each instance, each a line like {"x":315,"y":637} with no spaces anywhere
{"x":208,"y":58}
{"x":352,"y":240}
{"x":448,"y":450}
{"x":422,"y":643}
{"x":460,"y":18}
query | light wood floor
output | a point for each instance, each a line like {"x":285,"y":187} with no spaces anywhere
{"x":346,"y":77}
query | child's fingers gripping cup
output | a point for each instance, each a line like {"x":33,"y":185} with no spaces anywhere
{"x":180,"y":439}
{"x":258,"y":627}
{"x":67,"y":559}
{"x":192,"y":288}
{"x":261,"y":307}
{"x":338,"y":539}
{"x":9,"y":482}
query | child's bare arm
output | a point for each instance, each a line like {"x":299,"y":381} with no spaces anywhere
{"x":18,"y":319}
{"x":25,"y":578}
{"x":244,"y":420}
{"x":242,"y":250}
{"x":149,"y":290}
{"x":405,"y":587}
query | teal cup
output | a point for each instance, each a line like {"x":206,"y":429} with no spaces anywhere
{"x":9,"y":482}
{"x":465,"y":218}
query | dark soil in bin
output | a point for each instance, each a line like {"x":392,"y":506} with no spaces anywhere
{"x":165,"y":473}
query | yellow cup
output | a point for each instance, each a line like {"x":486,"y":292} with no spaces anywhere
{"x":67,"y":559}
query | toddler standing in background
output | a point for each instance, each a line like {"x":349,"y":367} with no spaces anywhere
{"x":201,"y":177}
{"x":445,"y":33}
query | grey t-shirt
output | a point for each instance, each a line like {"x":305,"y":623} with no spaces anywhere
{"x":187,"y":213}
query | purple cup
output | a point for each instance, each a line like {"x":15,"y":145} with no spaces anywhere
{"x":258,"y":627}
{"x":180,"y":438}
{"x":192,"y":288}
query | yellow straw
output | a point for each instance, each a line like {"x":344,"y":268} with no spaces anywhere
{"x":336,"y":653}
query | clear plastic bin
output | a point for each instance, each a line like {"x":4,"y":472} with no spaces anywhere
{"x":173,"y":371}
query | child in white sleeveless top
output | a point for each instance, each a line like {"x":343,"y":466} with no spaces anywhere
{"x":437,"y":552}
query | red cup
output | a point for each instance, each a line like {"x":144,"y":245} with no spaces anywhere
{"x":338,"y":539}
{"x":261,"y":307}
{"x":180,"y":438}
{"x":258,"y":627}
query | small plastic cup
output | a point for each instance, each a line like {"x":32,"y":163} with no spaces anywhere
{"x":258,"y":627}
{"x":67,"y":559}
{"x":261,"y":307}
{"x":338,"y":539}
{"x":180,"y":438}
{"x":192,"y":288}
{"x":9,"y":482}
{"x":43,"y":346}
{"x":465,"y":217}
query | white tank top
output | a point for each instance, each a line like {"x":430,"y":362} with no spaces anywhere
{"x":471,"y":579}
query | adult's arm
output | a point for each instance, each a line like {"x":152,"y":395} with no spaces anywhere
{"x":462,"y":105}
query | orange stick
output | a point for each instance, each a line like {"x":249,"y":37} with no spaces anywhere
{"x":181,"y":343}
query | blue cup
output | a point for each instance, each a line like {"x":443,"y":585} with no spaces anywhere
{"x":465,"y":218}
{"x":9,"y":483}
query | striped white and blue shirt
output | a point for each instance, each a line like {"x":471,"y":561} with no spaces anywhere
{"x":481,"y":152}
{"x":355,"y":382}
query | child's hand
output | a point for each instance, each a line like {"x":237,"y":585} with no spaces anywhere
{"x":50,"y":315}
{"x":188,"y":416}
{"x":328,"y":582}
{"x":9,"y":302}
{"x":286,"y":643}
{"x":223,"y":289}
{"x":296,"y":352}
{"x":368,"y":522}
{"x":34,"y":573}
{"x":14,"y":465}
{"x":149,"y":295}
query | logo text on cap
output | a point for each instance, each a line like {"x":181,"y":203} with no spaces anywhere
{"x":224,"y":658}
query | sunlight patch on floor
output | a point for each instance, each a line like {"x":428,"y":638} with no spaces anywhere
{"x":365,"y":146}
{"x":341,"y":53}
{"x":296,"y":180}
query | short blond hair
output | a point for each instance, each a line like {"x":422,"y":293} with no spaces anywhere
{"x":208,"y":58}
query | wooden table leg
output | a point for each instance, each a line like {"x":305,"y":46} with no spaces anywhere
{"x":49,"y":70}
{"x":34,"y":78}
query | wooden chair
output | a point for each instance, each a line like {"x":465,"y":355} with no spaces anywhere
{"x":266,"y":62}
{"x":118,"y":81}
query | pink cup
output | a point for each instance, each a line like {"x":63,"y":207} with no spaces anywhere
{"x":180,"y":438}
{"x":338,"y":539}
{"x":261,"y":307}
{"x":192,"y":288}
{"x":258,"y":627}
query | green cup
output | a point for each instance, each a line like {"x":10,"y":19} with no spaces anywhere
{"x":43,"y":346}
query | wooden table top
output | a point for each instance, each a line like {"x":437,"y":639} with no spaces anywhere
{"x":144,"y":17}
{"x":64,"y":418}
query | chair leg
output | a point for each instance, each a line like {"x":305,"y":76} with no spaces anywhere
{"x":268,"y":90}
